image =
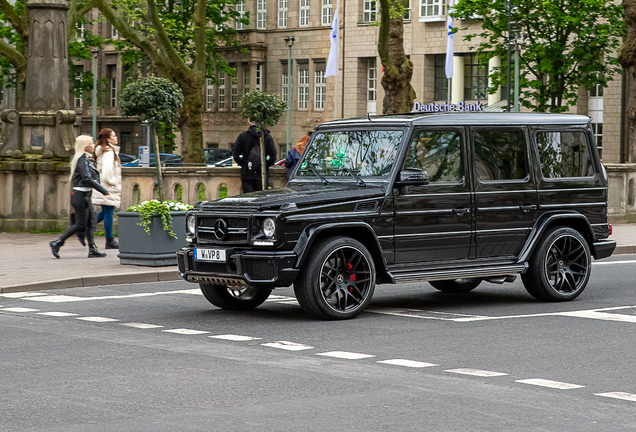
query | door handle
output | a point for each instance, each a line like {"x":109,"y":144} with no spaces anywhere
{"x":461,"y":211}
{"x":527,"y":208}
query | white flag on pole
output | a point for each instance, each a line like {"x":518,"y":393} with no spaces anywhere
{"x":334,"y":51}
{"x":449,"y":42}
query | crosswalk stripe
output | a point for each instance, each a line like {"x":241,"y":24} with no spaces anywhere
{"x":286,"y":345}
{"x":345,"y":355}
{"x":619,"y":395}
{"x":551,"y":384}
{"x":141,"y":325}
{"x":475,"y":372}
{"x":407,"y":363}
{"x":97,"y":319}
{"x":19,"y":309}
{"x":58,"y":314}
{"x":233,"y":337}
{"x":185,"y":331}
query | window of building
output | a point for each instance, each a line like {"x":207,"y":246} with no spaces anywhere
{"x":475,"y":78}
{"x":221,"y":90}
{"x":441,"y":82}
{"x":240,"y":8}
{"x":285,"y":89}
{"x":282,"y":13}
{"x":372,"y":85}
{"x":437,"y":152}
{"x":432,"y":10}
{"x":304,"y":13}
{"x":564,"y":154}
{"x":246,"y":78}
{"x":81,"y":28}
{"x":595,"y":111}
{"x":303,"y":86}
{"x":258,"y":85}
{"x":261,"y":14}
{"x":111,"y":73}
{"x":327,"y":12}
{"x":78,"y":100}
{"x":209,"y":94}
{"x":407,"y":14}
{"x":500,"y":154}
{"x":370,"y":11}
{"x":114,"y":34}
{"x":234,"y":94}
{"x":320,"y":87}
{"x":597,"y":128}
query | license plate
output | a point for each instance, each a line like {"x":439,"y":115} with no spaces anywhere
{"x":209,"y":254}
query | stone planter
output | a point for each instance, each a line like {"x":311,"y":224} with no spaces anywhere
{"x":156,"y":249}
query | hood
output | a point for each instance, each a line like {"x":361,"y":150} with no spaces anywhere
{"x":307,"y":195}
{"x":254,"y":132}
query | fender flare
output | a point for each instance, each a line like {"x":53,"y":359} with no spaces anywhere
{"x":544,"y":223}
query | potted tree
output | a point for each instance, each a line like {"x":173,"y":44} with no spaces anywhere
{"x":151,"y":232}
{"x":265,"y":109}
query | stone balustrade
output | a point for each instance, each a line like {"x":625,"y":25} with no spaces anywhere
{"x":622,"y":192}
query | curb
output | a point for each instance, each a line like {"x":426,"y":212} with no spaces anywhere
{"x":624,"y":249}
{"x":91,"y":281}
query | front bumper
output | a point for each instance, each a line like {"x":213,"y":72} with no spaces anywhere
{"x":603,"y":249}
{"x":242,"y":268}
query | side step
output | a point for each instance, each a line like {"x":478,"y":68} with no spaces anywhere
{"x":482,"y":272}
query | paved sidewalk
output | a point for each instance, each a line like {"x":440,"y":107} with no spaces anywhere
{"x":26,"y":263}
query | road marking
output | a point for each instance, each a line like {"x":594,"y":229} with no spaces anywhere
{"x":186,"y":331}
{"x":345,"y":355}
{"x":67,"y":298}
{"x":236,"y":338}
{"x":601,"y":316}
{"x":475,"y":372}
{"x":619,"y":395}
{"x":19,"y":309}
{"x":97,"y":319}
{"x":407,"y":363}
{"x":613,"y":262}
{"x":286,"y":345}
{"x":551,"y":384}
{"x":141,"y":325}
{"x":408,"y":313}
{"x":58,"y":314}
{"x":22,"y":294}
{"x":279,"y":298}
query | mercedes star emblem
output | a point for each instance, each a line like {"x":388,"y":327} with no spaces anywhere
{"x":220,"y":229}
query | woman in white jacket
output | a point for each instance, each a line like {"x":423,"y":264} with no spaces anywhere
{"x":109,"y":167}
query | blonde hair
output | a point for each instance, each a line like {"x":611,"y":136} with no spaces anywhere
{"x":80,"y":148}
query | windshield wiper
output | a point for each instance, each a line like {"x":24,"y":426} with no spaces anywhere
{"x":361,"y":182}
{"x":320,"y":176}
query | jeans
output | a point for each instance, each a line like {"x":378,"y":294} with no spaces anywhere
{"x":106,"y":215}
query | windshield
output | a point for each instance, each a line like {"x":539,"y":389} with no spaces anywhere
{"x":366,"y":153}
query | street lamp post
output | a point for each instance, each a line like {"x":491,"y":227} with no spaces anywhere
{"x":508,"y":65}
{"x":289,"y":41}
{"x":95,"y":54}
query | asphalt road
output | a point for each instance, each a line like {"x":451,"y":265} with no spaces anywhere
{"x":158,"y":357}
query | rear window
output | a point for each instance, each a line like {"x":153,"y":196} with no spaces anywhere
{"x":564,"y":154}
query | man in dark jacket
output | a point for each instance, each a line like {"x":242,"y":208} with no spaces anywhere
{"x":250,"y":170}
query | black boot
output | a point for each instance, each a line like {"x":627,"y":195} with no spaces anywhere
{"x":55,"y":247}
{"x":93,"y":252}
{"x":111,"y":243}
{"x":80,"y":237}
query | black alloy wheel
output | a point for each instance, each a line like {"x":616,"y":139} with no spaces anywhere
{"x":456,"y":286}
{"x":560,"y":267}
{"x":234,"y":298}
{"x":337,"y":280}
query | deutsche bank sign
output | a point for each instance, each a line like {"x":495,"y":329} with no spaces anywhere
{"x":460,"y":106}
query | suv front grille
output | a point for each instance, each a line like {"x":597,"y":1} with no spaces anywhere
{"x":219,"y":229}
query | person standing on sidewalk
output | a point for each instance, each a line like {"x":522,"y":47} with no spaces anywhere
{"x":294,"y":153}
{"x":109,"y":167}
{"x":84,"y":178}
{"x":247,"y":154}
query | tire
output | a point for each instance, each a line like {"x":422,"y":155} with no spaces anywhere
{"x":337,"y":280}
{"x":560,"y":267}
{"x":241,"y":299}
{"x":456,"y":286}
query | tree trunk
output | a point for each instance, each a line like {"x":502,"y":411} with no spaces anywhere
{"x":398,"y":69}
{"x":627,"y":59}
{"x":190,"y":124}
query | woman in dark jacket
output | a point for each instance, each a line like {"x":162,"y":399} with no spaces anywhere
{"x":84,"y":178}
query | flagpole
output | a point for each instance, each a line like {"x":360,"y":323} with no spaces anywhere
{"x":333,"y":62}
{"x":335,"y":101}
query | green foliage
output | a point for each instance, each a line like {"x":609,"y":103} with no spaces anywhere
{"x":167,"y":137}
{"x":223,"y":192}
{"x":153,"y":99}
{"x":201,"y":192}
{"x":570,"y":43}
{"x":149,"y":208}
{"x":263,"y":108}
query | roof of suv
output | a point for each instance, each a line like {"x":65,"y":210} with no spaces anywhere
{"x":470,"y":118}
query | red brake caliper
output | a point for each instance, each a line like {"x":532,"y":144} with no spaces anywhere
{"x":351,"y":277}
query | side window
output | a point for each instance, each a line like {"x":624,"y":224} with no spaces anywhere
{"x":500,"y":154}
{"x":438,"y":152}
{"x":564,"y":154}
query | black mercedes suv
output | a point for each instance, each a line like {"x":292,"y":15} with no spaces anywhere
{"x":454,"y":199}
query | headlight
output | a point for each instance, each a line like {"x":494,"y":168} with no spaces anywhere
{"x":269,"y":227}
{"x":191,"y":224}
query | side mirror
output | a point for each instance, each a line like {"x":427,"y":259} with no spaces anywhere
{"x":412,"y":177}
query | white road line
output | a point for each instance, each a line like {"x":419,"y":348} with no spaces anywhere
{"x":185,"y":331}
{"x":279,"y":298}
{"x":613,"y":262}
{"x":345,"y":355}
{"x":286,"y":345}
{"x":476,"y":372}
{"x":601,"y":316}
{"x":19,"y":309}
{"x":236,"y":338}
{"x":141,"y":325}
{"x":619,"y":395}
{"x":57,"y":314}
{"x":66,"y":298}
{"x":97,"y":319}
{"x":22,"y":294}
{"x":407,"y":363}
{"x":551,"y":384}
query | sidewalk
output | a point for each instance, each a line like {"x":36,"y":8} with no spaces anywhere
{"x":26,"y":263}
